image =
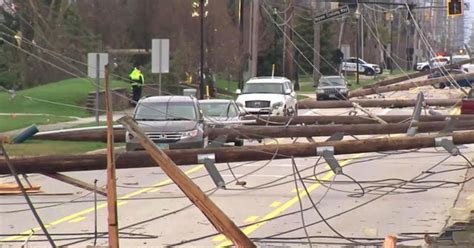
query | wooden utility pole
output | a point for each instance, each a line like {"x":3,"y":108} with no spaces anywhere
{"x":375,"y":103}
{"x":409,"y":85}
{"x":241,"y":43}
{"x":111,"y":178}
{"x":140,"y":159}
{"x":358,"y":119}
{"x":254,"y":37}
{"x":321,"y":128}
{"x":259,"y":132}
{"x":218,"y":218}
{"x":289,"y":48}
{"x":315,"y":6}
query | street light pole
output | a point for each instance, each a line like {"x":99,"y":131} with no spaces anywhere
{"x":201,"y":85}
{"x":357,"y":16}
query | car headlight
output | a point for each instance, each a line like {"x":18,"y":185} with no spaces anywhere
{"x":319,"y":91}
{"x":343,"y":90}
{"x":191,"y":133}
{"x":277,"y":105}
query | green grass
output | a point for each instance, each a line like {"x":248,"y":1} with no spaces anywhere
{"x":230,"y":86}
{"x":8,"y":123}
{"x":39,"y":147}
{"x":62,"y":98}
{"x":65,"y":98}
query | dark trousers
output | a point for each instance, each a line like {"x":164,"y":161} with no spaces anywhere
{"x":137,"y":93}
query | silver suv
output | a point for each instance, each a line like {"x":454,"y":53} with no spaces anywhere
{"x":172,"y":122}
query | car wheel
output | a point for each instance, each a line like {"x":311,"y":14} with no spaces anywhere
{"x":369,"y":72}
{"x":442,"y":86}
{"x":426,"y":68}
{"x":436,"y":86}
{"x":239,"y":143}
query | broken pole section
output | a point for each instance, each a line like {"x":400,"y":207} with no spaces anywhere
{"x":376,"y":103}
{"x":218,"y":218}
{"x":139,"y":159}
{"x":407,"y":85}
{"x":417,"y":74}
{"x":76,"y":182}
{"x":111,"y":178}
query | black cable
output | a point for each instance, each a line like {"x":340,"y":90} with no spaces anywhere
{"x":358,"y":195}
{"x":317,"y":210}
{"x":23,"y":191}
{"x":293,"y":165}
{"x":353,"y":208}
{"x":95,"y":212}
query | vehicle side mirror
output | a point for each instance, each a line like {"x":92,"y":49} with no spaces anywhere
{"x":287,"y":91}
{"x":238,"y":91}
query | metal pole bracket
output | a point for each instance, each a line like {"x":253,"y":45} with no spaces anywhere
{"x":327,"y":152}
{"x":447,"y":143}
{"x":209,"y":162}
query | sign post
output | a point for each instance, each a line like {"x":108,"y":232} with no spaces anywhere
{"x":95,"y":69}
{"x":160,"y":57}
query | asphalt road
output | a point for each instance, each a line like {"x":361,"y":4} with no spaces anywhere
{"x":154,"y":213}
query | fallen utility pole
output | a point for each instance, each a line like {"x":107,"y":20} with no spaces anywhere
{"x":406,"y":86}
{"x":346,"y":119}
{"x":375,"y":103}
{"x":213,"y":213}
{"x":76,"y":182}
{"x":119,"y":134}
{"x":260,"y":132}
{"x":85,"y":162}
{"x":417,"y":74}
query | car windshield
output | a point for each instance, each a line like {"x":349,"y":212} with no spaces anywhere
{"x":219,"y":109}
{"x":332,"y":82}
{"x":165,"y":111}
{"x":270,"y":88}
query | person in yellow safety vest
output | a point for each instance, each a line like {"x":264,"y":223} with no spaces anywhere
{"x":137,"y":81}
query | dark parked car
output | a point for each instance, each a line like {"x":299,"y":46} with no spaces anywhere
{"x":467,"y":105}
{"x":173,"y":122}
{"x":332,"y":87}
{"x":222,"y":113}
{"x":464,"y":82}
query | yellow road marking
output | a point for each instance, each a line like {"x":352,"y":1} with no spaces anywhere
{"x":248,"y":230}
{"x":294,"y":190}
{"x":77,"y":219}
{"x":415,"y":90}
{"x":251,"y":218}
{"x":275,"y":204}
{"x":79,"y":214}
{"x":455,"y":111}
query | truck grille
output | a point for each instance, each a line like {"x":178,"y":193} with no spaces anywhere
{"x":164,"y":137}
{"x":331,"y":92}
{"x":257,"y":104}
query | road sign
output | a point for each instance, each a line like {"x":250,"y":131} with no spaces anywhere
{"x":160,"y":55}
{"x":96,"y":61}
{"x":332,"y":14}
